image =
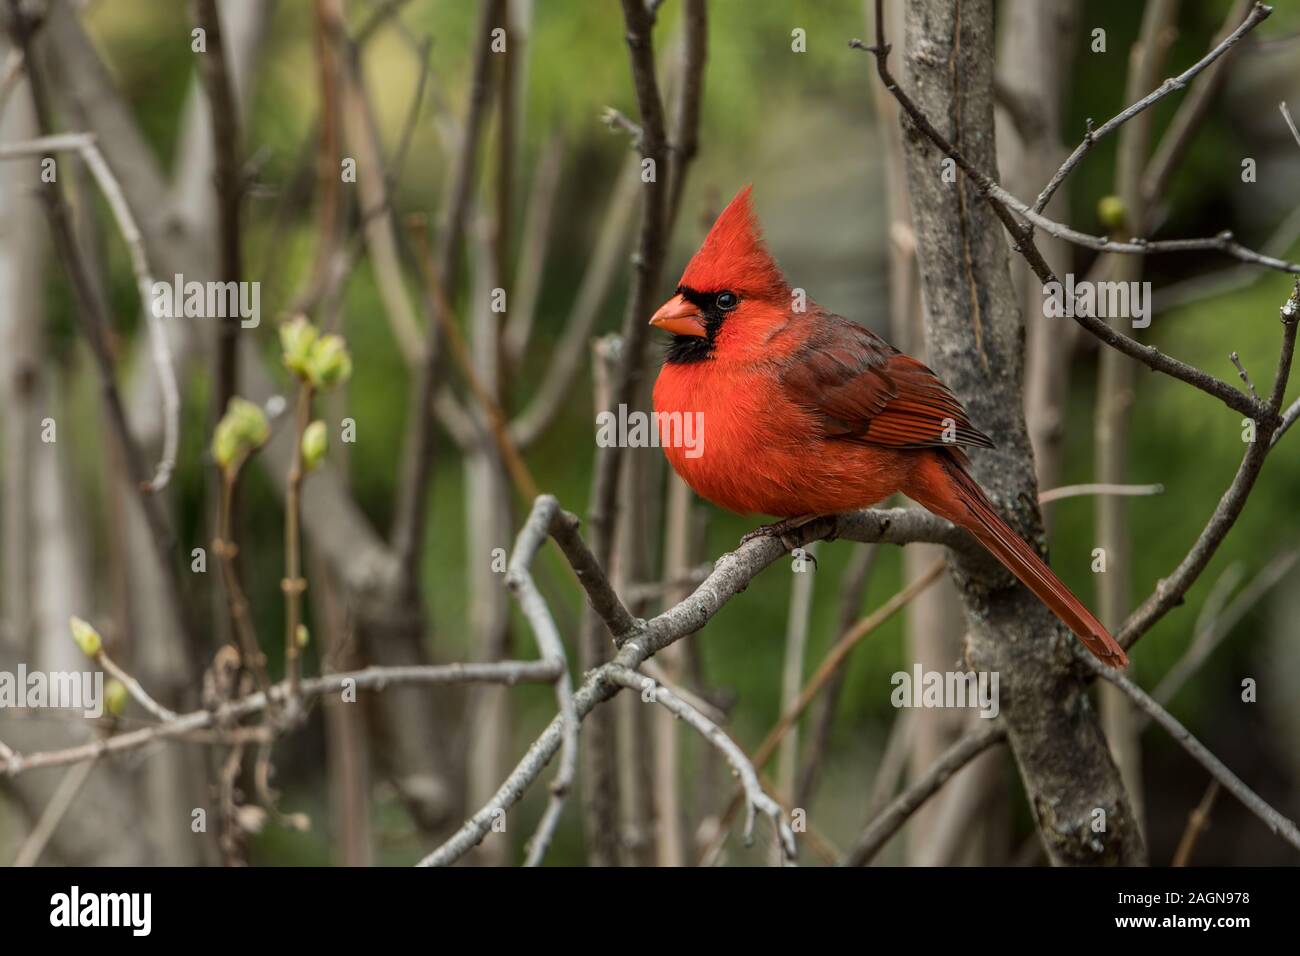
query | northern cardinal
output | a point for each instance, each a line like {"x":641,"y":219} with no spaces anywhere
{"x":806,"y":413}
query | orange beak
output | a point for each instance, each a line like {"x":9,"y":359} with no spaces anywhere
{"x":679,"y":317}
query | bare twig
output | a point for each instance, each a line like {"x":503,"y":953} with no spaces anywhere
{"x":879,"y":831}
{"x":1198,"y":821}
{"x":852,"y":592}
{"x":622,"y":625}
{"x":133,"y":687}
{"x":372,"y":678}
{"x":1224,"y":281}
{"x":1290,"y":123}
{"x":498,"y":427}
{"x":223,"y":113}
{"x":223,"y":546}
{"x":831,"y":664}
{"x":411,"y":509}
{"x":617,"y":120}
{"x":84,"y":145}
{"x":1191,"y":112}
{"x":91,"y":315}
{"x":1218,"y":624}
{"x":1245,"y":377}
{"x":520,"y":581}
{"x":553,"y":394}
{"x":1006,"y":207}
{"x":796,"y":646}
{"x":1258,"y":13}
{"x":731,"y":575}
{"x":66,"y":792}
{"x":756,"y":799}
{"x":1275,"y":821}
{"x":1096,"y":488}
{"x":294,"y":584}
{"x":1170,"y":590}
{"x":533,"y":249}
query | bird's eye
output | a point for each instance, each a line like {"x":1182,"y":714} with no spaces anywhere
{"x":727,"y":301}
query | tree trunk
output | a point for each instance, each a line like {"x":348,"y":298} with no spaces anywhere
{"x":976,"y":340}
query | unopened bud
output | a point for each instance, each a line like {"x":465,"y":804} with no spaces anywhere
{"x":241,"y":430}
{"x":315,"y":443}
{"x":86,"y":636}
{"x":115,"y":697}
{"x":1111,"y":212}
{"x":329,"y":363}
{"x":297,"y":336}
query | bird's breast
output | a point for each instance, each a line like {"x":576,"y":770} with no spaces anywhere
{"x":755,"y":449}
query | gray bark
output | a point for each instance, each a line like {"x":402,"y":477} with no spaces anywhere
{"x":977,"y":340}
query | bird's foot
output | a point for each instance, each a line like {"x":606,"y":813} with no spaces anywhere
{"x":784,"y":531}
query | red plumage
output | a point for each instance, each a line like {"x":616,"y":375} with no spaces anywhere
{"x":806,"y":413}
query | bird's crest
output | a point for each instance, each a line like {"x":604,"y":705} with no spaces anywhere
{"x":733,"y":257}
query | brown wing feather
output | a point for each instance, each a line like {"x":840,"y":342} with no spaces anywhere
{"x":863,"y":389}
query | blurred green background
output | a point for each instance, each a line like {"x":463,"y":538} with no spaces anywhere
{"x":802,"y":129}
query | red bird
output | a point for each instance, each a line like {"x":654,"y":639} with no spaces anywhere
{"x":806,"y":413}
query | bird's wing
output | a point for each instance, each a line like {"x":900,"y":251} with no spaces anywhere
{"x":863,"y":389}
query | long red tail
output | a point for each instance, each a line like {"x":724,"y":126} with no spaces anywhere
{"x":952,"y":493}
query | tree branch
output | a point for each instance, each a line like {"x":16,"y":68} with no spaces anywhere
{"x":891,"y":820}
{"x":1275,"y":821}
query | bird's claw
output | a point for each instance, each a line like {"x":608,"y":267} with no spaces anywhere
{"x":784,"y":532}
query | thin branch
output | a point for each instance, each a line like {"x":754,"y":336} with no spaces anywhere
{"x":371,"y":678}
{"x":1278,"y":824}
{"x":1211,"y":631}
{"x":1198,"y":821}
{"x":1096,"y":488}
{"x":731,"y":574}
{"x":533,"y":250}
{"x":64,"y":794}
{"x":1258,"y":14}
{"x":92,"y":317}
{"x":1169,"y":591}
{"x":879,"y":831}
{"x":411,"y":509}
{"x":566,"y":358}
{"x":600,"y":593}
{"x":84,"y":145}
{"x":831,"y":664}
{"x":294,"y":584}
{"x":378,"y":230}
{"x":223,"y":113}
{"x":1224,"y":281}
{"x":498,"y":426}
{"x":685,"y":141}
{"x":617,"y":120}
{"x":13,"y":69}
{"x":1002,"y":204}
{"x":223,"y":546}
{"x":520,"y":582}
{"x":852,"y":592}
{"x":1245,"y":376}
{"x":1191,"y":112}
{"x":1290,"y":123}
{"x":134,"y":688}
{"x":756,"y":799}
